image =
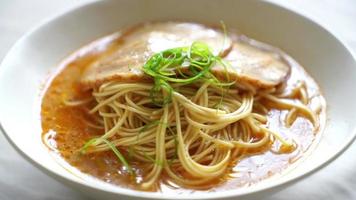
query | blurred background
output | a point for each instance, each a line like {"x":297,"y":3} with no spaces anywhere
{"x":20,"y":180}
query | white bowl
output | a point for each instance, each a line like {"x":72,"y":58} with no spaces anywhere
{"x":35,"y":55}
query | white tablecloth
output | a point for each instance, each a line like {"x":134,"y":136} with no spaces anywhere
{"x":20,"y":180}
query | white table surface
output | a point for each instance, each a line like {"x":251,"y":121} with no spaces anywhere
{"x":19,"y":180}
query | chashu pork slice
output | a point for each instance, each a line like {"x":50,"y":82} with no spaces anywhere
{"x":138,"y":44}
{"x":258,"y":67}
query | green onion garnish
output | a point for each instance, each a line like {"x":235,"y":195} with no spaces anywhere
{"x":183,"y":65}
{"x":113,"y":148}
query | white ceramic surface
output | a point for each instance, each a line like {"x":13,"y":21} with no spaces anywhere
{"x":39,"y":52}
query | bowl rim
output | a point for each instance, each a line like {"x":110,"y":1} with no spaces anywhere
{"x":149,"y":195}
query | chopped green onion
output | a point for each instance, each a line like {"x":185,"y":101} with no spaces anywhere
{"x":113,"y":148}
{"x":184,"y":65}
